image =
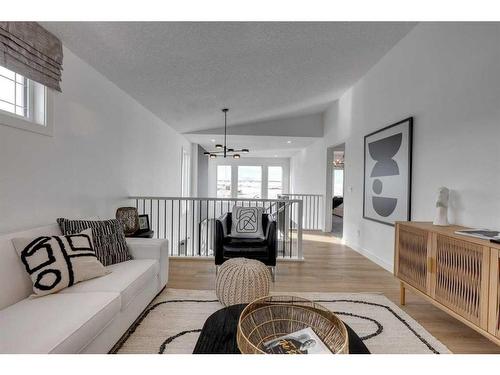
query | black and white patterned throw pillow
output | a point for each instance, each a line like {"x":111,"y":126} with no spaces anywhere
{"x":109,"y":239}
{"x":246,"y":222}
{"x":57,"y":262}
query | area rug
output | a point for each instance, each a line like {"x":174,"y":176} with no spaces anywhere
{"x":173,"y":321}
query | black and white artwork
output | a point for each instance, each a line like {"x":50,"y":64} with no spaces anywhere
{"x":387,"y":179}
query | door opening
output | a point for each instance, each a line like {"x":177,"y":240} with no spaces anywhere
{"x":336,"y":196}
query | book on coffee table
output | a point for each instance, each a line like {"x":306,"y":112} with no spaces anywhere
{"x":304,"y":341}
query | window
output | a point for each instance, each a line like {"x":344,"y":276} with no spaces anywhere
{"x":223,"y":181}
{"x":274,"y":182}
{"x":338,"y":182}
{"x":13,"y":92}
{"x":252,"y":181}
{"x":249,"y":181}
{"x":22,"y":101}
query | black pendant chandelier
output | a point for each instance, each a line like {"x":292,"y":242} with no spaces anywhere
{"x":223,"y":150}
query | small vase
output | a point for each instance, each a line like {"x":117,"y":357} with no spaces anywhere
{"x":441,"y":218}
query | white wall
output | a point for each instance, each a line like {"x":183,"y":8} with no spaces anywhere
{"x":447,"y":76}
{"x":202,"y":172}
{"x":105,"y":147}
{"x":305,"y":172}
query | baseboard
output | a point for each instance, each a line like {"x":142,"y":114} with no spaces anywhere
{"x":284,"y":260}
{"x":368,"y":254}
{"x":190,"y":257}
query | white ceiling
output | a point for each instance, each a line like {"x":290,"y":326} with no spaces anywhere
{"x":300,"y":126}
{"x":260,"y":146}
{"x":186,"y":72}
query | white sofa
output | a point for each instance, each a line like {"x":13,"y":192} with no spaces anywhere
{"x":89,"y":317}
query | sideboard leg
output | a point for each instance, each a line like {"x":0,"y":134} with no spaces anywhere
{"x":402,"y":294}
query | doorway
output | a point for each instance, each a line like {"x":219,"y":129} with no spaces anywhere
{"x":335,"y":189}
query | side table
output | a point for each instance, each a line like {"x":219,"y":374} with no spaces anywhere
{"x":146,"y":234}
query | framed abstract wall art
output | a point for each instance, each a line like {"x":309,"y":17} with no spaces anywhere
{"x":387,"y":173}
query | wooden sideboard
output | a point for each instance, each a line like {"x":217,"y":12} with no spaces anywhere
{"x":458,"y":274}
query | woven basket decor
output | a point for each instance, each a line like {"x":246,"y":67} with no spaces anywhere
{"x":242,"y":280}
{"x":129,"y":218}
{"x":272,"y":317}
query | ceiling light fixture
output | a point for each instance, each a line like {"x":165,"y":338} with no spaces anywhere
{"x":288,"y":142}
{"x":223,"y":149}
{"x":338,"y":163}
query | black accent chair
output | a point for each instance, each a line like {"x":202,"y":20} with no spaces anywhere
{"x":227,"y":247}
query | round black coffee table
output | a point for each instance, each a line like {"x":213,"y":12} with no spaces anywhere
{"x":218,"y":335}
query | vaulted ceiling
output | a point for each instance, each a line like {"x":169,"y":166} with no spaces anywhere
{"x":186,"y":72}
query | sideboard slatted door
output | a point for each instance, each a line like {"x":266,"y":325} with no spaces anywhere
{"x":494,"y":316}
{"x":412,"y":257}
{"x":461,"y":280}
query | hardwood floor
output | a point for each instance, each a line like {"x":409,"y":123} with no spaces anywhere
{"x":330,"y":266}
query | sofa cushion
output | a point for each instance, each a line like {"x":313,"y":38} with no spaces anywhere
{"x":239,"y":247}
{"x":252,"y":253}
{"x":244,"y":242}
{"x":16,"y":283}
{"x":57,"y":262}
{"x":56,"y":323}
{"x":109,"y":239}
{"x":127,"y":278}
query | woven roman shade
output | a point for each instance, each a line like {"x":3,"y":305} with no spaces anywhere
{"x":30,"y":50}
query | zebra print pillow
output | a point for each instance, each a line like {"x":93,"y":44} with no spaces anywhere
{"x":109,"y":240}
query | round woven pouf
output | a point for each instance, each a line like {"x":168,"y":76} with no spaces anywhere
{"x":242,"y":280}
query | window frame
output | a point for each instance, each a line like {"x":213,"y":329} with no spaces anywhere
{"x":334,"y":179}
{"x":217,"y":179}
{"x":14,"y":120}
{"x":281,"y":179}
{"x":264,"y":163}
{"x":262,"y":173}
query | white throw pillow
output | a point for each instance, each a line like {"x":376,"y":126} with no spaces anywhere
{"x":57,"y":262}
{"x":247,"y":222}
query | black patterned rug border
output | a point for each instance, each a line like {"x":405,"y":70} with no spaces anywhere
{"x":142,"y":316}
{"x":396,"y":315}
{"x":152,"y":307}
{"x":379,"y":330}
{"x":172,"y":338}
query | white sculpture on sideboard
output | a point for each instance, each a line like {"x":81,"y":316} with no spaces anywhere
{"x":442,"y":207}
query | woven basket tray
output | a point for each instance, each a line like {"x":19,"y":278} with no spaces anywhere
{"x":271,"y":317}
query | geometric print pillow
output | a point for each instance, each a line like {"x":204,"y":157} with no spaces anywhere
{"x":109,"y":239}
{"x":246,"y":222}
{"x":57,"y":262}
